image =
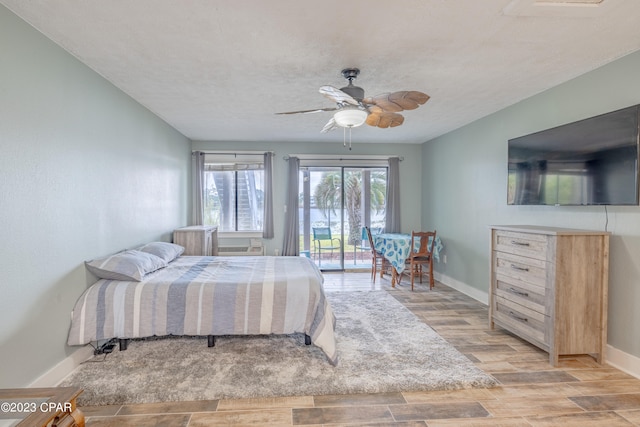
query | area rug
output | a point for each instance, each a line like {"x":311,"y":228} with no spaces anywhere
{"x":382,"y":347}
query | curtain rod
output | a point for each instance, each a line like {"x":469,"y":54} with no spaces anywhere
{"x":344,"y":159}
{"x":234,"y":153}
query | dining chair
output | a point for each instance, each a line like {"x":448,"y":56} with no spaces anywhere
{"x":421,"y":257}
{"x":377,"y":259}
{"x":323,"y":234}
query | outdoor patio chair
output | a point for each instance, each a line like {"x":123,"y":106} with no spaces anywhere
{"x":323,"y":241}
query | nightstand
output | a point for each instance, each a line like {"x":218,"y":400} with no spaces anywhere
{"x":41,"y":407}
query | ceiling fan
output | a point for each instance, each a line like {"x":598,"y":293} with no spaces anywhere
{"x":353,"y":109}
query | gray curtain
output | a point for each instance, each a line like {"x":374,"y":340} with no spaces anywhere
{"x":291,"y":245}
{"x":267,"y":229}
{"x":392,"y":224}
{"x":197,"y":178}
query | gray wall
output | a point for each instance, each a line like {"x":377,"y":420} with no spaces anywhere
{"x":410,"y":193}
{"x":465,"y":184}
{"x":84,"y":171}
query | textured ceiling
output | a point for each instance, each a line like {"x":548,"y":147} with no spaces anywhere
{"x":220,"y":69}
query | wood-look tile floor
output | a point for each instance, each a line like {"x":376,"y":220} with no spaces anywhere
{"x":578,"y":392}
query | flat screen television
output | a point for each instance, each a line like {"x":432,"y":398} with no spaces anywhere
{"x":589,"y":162}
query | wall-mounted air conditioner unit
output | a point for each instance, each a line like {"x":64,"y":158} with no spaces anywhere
{"x":254,"y":248}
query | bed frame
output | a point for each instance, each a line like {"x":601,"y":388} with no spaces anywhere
{"x":211,"y":342}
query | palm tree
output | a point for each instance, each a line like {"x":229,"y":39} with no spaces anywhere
{"x":328,"y":197}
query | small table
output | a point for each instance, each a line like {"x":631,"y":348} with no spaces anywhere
{"x":36,"y":407}
{"x":395,"y":248}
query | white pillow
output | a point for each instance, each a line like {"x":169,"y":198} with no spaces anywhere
{"x":167,"y":251}
{"x":128,"y":265}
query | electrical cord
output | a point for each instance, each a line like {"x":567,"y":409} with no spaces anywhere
{"x":96,"y":360}
{"x":105,"y":349}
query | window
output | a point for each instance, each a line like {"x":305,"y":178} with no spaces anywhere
{"x":566,"y":187}
{"x":233,"y":189}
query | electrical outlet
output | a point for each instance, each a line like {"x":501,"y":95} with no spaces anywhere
{"x":444,"y":259}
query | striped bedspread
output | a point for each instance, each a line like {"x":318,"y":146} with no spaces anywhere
{"x":211,"y":296}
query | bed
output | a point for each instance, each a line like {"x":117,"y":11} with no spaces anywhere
{"x":206,"y":296}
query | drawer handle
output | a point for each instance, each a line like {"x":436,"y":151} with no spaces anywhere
{"x":515,"y":267}
{"x":515,"y":242}
{"x":517,"y":292}
{"x":515,"y":316}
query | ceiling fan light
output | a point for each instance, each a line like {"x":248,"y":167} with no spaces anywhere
{"x":350,"y":117}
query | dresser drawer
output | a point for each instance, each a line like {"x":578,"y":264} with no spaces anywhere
{"x":525,"y":294}
{"x":521,"y":268}
{"x":524,"y":244}
{"x":521,"y":321}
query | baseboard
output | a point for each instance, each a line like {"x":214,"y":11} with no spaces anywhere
{"x":623,"y":361}
{"x":616,"y":358}
{"x":55,"y":375}
{"x":474,"y":293}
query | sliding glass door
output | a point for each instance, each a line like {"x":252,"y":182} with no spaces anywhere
{"x":335,"y":204}
{"x":364,"y":202}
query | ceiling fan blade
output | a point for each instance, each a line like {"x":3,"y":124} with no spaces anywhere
{"x":409,"y":100}
{"x":317,"y":110}
{"x":331,"y":125}
{"x":398,"y":101}
{"x":374,"y":109}
{"x":336,"y":95}
{"x":385,"y":119}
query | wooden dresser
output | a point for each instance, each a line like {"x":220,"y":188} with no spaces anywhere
{"x":549,"y":287}
{"x":197,"y":240}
